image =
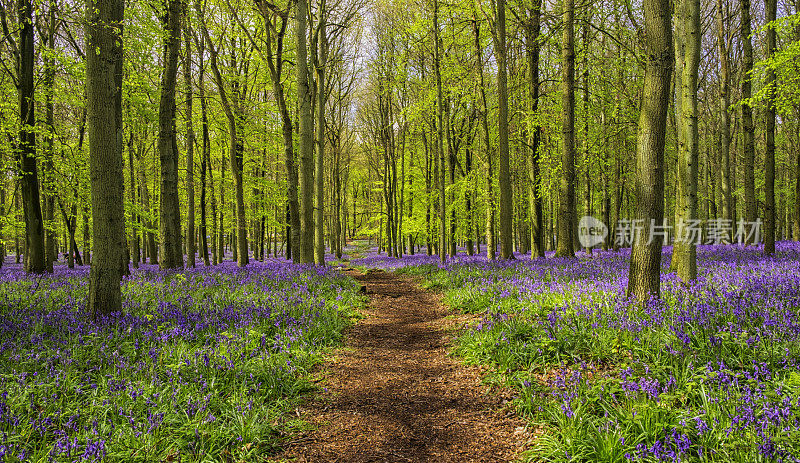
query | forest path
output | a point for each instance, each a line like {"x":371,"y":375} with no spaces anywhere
{"x":394,"y":395}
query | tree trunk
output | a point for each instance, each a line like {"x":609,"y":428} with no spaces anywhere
{"x":49,"y":197}
{"x":232,"y":109}
{"x":533,"y":49}
{"x":748,"y":129}
{"x":468,"y":203}
{"x":687,"y":57}
{"x":3,"y":218}
{"x":490,"y":243}
{"x":306,"y":145}
{"x":503,"y":174}
{"x":451,"y":172}
{"x":319,"y":193}
{"x":587,"y":158}
{"x":35,"y":257}
{"x":104,"y":109}
{"x":771,"y":8}
{"x":566,"y":205}
{"x":440,"y":154}
{"x":169,"y":203}
{"x":205,"y":163}
{"x":134,"y":239}
{"x":645,"y":265}
{"x":152,"y":251}
{"x":724,"y":96}
{"x":187,"y":78}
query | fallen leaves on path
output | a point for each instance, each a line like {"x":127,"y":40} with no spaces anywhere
{"x":394,"y":395}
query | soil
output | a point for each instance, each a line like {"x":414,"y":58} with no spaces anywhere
{"x":393,"y":394}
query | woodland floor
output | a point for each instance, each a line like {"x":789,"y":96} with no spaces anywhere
{"x":393,"y":394}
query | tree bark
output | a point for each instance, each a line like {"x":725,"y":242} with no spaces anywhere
{"x":49,"y":196}
{"x":724,"y":96}
{"x":645,"y":265}
{"x":491,"y":246}
{"x":232,"y":108}
{"x":319,"y":192}
{"x":687,"y":52}
{"x":169,"y":203}
{"x":503,"y":171}
{"x":566,"y":205}
{"x":748,"y":129}
{"x":306,"y":129}
{"x":205,"y":163}
{"x":134,"y":239}
{"x":35,"y":257}
{"x":533,"y":49}
{"x":104,"y":108}
{"x":187,"y":78}
{"x":440,"y":154}
{"x":771,"y":8}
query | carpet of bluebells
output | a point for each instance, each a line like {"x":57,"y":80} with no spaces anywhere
{"x":711,"y":372}
{"x":202,"y":365}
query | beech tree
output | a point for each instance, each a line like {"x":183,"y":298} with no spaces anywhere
{"x":169,"y":204}
{"x":104,"y":110}
{"x":687,"y":53}
{"x":566,"y":205}
{"x":645,"y":267}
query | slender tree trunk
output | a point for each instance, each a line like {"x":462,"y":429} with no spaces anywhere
{"x":748,"y":129}
{"x":216,"y":256}
{"x":233,"y":111}
{"x":221,"y":209}
{"x":169,"y":203}
{"x":104,"y":109}
{"x":587,"y":158}
{"x":319,"y":197}
{"x":440,"y":154}
{"x":468,"y":227}
{"x":687,"y":52}
{"x":306,"y":145}
{"x":205,"y":162}
{"x":491,"y":246}
{"x":187,"y":77}
{"x":35,"y":257}
{"x":645,"y":266}
{"x":533,"y":49}
{"x":566,"y":206}
{"x":451,"y":172}
{"x":134,"y":217}
{"x":771,"y":8}
{"x":152,"y":251}
{"x":2,"y":217}
{"x":504,"y":174}
{"x":49,"y":197}
{"x":236,"y":154}
{"x":724,"y":96}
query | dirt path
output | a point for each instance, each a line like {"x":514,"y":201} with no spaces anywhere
{"x":395,"y":396}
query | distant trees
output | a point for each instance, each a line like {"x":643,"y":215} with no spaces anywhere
{"x":427,"y":131}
